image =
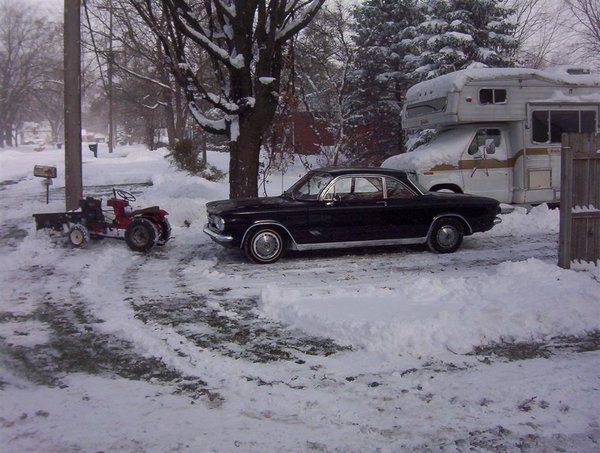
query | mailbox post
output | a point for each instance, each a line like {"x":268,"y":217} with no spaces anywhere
{"x":48,"y":173}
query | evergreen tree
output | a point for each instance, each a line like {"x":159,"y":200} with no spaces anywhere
{"x":457,"y":33}
{"x":385,"y":35}
{"x":402,"y":42}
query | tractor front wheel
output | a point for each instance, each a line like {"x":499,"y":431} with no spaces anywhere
{"x":141,"y":235}
{"x":78,"y":235}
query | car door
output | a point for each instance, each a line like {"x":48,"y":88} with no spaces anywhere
{"x":406,"y":215}
{"x":352,"y":209}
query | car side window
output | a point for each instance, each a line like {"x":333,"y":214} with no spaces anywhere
{"x":356,"y":188}
{"x":396,"y":190}
{"x":368,"y":188}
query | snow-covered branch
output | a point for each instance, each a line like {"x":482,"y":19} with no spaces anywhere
{"x":213,"y":126}
{"x":143,"y":77}
{"x":294,"y":24}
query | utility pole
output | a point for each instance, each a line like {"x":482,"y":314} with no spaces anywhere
{"x":111,"y":122}
{"x":72,"y":66}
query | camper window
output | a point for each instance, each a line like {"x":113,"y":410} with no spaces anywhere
{"x":549,"y":125}
{"x":426,"y":107}
{"x":477,"y":146}
{"x":492,"y":96}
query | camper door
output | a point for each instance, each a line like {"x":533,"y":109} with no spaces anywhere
{"x":485,"y":165}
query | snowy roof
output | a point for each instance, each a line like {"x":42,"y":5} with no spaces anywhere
{"x":455,"y":81}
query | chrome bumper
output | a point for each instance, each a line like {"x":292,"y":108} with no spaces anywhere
{"x":216,"y":236}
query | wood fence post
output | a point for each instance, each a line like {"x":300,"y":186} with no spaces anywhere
{"x":566,"y":203}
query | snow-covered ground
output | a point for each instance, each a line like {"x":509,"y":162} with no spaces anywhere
{"x":192,"y":348}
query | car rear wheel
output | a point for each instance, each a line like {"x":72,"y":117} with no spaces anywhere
{"x":141,"y":235}
{"x":265,"y":245}
{"x":446,"y":235}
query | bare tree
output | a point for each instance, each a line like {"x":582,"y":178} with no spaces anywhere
{"x":25,"y":43}
{"x":244,"y":41}
{"x":324,"y":57}
{"x":540,"y":32}
{"x":587,"y":13}
{"x":143,"y":88}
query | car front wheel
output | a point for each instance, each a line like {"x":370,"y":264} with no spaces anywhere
{"x":446,"y":235}
{"x":265,"y":245}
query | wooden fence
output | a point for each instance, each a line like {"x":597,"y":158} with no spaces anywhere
{"x":579,"y":237}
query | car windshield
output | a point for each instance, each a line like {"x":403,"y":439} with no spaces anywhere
{"x":309,"y":187}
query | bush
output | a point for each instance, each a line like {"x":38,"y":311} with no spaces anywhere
{"x":186,"y":157}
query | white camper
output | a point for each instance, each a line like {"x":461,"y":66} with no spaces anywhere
{"x":498,"y":131}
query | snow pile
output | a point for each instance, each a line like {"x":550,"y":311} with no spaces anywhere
{"x":525,"y":222}
{"x":427,"y":315}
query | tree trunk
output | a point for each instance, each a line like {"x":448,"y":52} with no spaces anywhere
{"x":244,"y":161}
{"x":170,"y":122}
{"x":150,"y":136}
{"x":8,"y":139}
{"x":244,"y":149}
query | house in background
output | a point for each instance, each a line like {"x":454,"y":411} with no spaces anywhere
{"x":32,"y":133}
{"x":309,"y":134}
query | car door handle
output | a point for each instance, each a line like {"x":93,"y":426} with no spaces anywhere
{"x":382,"y":202}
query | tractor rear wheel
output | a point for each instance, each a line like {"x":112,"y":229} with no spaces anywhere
{"x":165,"y":231}
{"x":141,"y":235}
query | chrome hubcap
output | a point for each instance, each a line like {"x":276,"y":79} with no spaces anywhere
{"x":266,"y":245}
{"x":447,"y":236}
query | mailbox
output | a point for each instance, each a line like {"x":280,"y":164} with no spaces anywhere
{"x":43,"y":171}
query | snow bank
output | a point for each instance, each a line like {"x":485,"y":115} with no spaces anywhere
{"x":427,"y":315}
{"x":523,"y":222}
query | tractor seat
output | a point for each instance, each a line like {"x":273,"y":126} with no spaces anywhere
{"x":150,"y":210}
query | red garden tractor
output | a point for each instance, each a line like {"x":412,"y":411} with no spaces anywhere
{"x":141,"y":229}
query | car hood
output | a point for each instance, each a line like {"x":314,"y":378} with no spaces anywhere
{"x":242,"y":205}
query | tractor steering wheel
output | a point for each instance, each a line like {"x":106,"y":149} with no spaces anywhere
{"x":124,"y":195}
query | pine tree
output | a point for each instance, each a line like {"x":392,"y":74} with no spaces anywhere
{"x":457,"y":33}
{"x":385,"y":33}
{"x":402,"y":42}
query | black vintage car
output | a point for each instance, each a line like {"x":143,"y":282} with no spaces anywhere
{"x":349,"y":207}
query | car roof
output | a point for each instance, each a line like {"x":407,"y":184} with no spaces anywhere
{"x":337,"y":171}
